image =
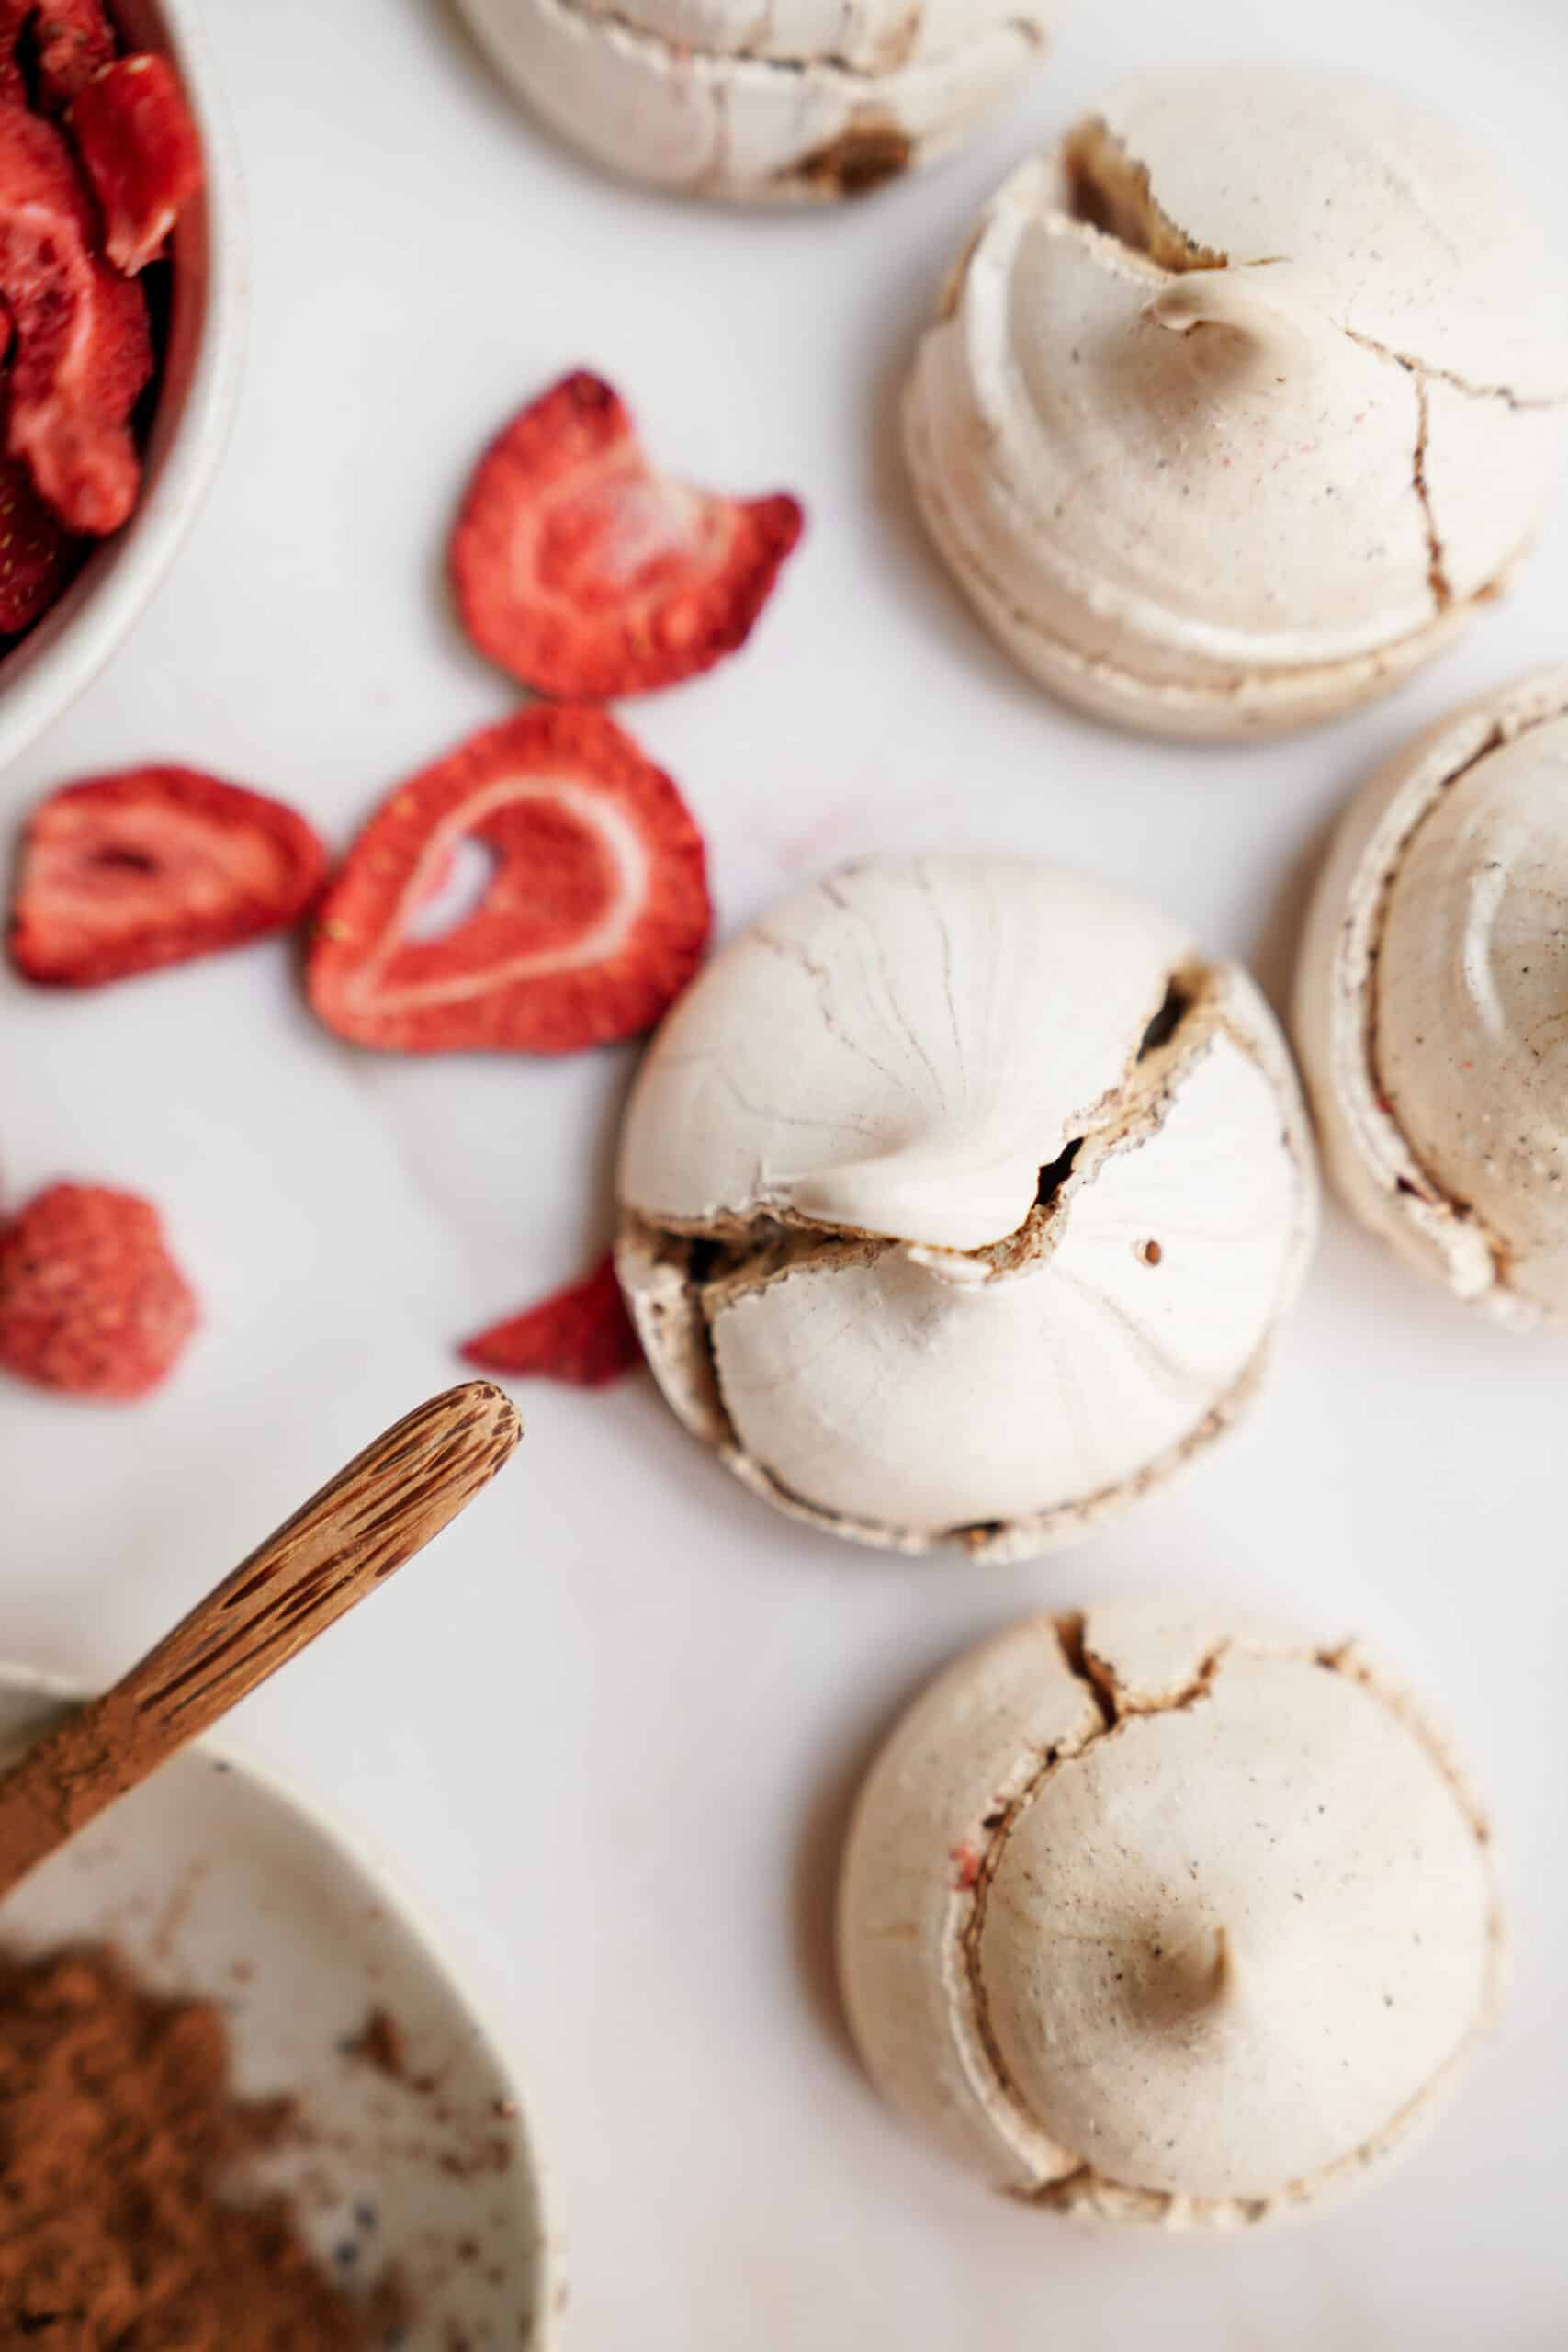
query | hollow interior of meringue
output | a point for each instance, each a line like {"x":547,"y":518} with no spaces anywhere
{"x":702,"y":1268}
{"x":1108,"y":190}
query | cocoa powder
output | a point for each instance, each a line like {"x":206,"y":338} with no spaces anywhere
{"x":119,"y":2142}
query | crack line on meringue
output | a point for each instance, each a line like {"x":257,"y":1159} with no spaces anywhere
{"x":1129,"y":215}
{"x":1436,"y":567}
{"x":1436,"y":1195}
{"x":1523,"y":402}
{"x":833,"y":891}
{"x":1083,"y":2184}
{"x":1246,"y":690}
{"x":793,"y":952}
{"x":616,"y":22}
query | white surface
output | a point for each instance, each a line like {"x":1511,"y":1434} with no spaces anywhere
{"x":610,"y":1727}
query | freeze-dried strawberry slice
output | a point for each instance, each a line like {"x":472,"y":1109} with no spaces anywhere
{"x":37,"y":554}
{"x":90,"y":1299}
{"x":140,"y":149}
{"x":586,"y":573}
{"x":72,"y":39}
{"x":593,"y":915}
{"x":124,"y":872}
{"x":582,"y":1335}
{"x":14,"y":14}
{"x":82,"y":352}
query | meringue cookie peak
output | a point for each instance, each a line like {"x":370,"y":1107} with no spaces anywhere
{"x":1221,"y":1934}
{"x":1240,"y":398}
{"x":961,"y":1199}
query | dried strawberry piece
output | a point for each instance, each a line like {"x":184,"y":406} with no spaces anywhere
{"x":586,"y":573}
{"x":83,"y":351}
{"x":37,"y":554}
{"x":14,"y":14}
{"x":593,"y":916}
{"x":581,"y":1335}
{"x":124,"y":872}
{"x":90,"y":1299}
{"x":141,"y":151}
{"x":72,"y":39}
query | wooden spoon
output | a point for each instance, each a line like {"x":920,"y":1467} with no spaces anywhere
{"x":339,"y":1546}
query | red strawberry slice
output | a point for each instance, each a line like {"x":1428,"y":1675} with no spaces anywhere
{"x":37,"y":555}
{"x":140,"y":149}
{"x":82,"y":352}
{"x":586,"y":573}
{"x":14,"y":14}
{"x":122,"y":874}
{"x":72,"y":39}
{"x":581,"y":1335}
{"x":592,"y":919}
{"x":90,"y":1300}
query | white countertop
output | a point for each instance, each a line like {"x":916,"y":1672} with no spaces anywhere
{"x":611,"y":1726}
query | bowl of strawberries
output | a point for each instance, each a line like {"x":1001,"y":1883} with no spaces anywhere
{"x":120,"y":327}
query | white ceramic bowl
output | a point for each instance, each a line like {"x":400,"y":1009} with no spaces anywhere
{"x":197,"y":384}
{"x":212,"y":1880}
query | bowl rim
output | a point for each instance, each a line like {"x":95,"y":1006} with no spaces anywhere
{"x":350,"y":1841}
{"x":65,"y":665}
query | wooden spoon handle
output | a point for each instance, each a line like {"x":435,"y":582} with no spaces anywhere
{"x":338,"y":1547}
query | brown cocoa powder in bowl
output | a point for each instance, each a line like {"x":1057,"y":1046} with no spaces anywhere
{"x":118,"y":2132}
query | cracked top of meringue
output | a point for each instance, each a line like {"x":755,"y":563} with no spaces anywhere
{"x":1241,"y":394}
{"x":963,"y":1198}
{"x":1165,"y":1914}
{"x":1433,"y":1001}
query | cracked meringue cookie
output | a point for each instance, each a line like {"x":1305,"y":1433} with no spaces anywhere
{"x":1165,"y":1917}
{"x":785,"y":100}
{"x":1240,"y":399}
{"x":1430,"y":1001}
{"x":962,"y":1200}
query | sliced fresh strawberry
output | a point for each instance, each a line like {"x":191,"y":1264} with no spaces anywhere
{"x":586,"y":573}
{"x":73,"y":39}
{"x":90,"y":1299}
{"x":37,"y":554}
{"x":593,"y":915}
{"x":124,"y":872}
{"x":582,"y":1335}
{"x":140,"y":149}
{"x":83,"y":351}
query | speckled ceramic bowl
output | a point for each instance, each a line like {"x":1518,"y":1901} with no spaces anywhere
{"x":214,"y":1880}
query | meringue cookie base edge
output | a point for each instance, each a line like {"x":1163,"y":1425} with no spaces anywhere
{"x":674,"y":1335}
{"x":665,"y":1298}
{"x":1368,"y":1156}
{"x":740,"y":127}
{"x":1245,"y":709}
{"x":974,"y":1748}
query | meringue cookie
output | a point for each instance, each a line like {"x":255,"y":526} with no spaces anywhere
{"x":961,"y":1201}
{"x":1165,"y":1917}
{"x":1241,"y":399}
{"x":1430,"y":997}
{"x":785,"y":100}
